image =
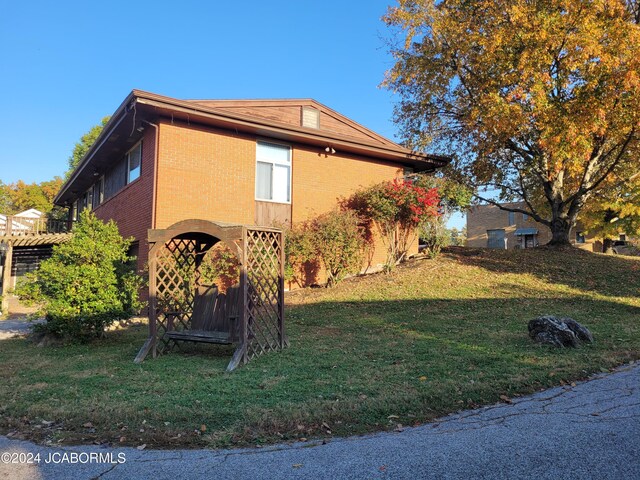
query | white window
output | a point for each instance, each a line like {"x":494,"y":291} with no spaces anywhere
{"x":134,"y":159}
{"x":273,"y":172}
{"x":98,"y":193}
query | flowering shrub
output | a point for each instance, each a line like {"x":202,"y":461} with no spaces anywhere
{"x":396,"y":208}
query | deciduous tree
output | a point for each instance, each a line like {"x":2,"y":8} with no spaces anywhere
{"x":539,"y":100}
{"x":82,"y":147}
{"x":19,"y":196}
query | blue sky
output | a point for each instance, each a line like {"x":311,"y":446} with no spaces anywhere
{"x":67,"y":64}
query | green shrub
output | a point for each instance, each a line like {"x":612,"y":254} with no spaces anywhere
{"x":88,"y":283}
{"x":301,"y":263}
{"x":339,"y":244}
{"x":334,"y":240}
{"x":434,"y":236}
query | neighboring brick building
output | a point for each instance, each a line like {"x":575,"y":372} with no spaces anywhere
{"x":160,"y":160}
{"x":490,"y":227}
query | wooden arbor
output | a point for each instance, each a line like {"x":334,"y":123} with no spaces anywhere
{"x":178,"y":303}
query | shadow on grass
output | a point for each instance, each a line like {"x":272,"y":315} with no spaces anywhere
{"x":608,"y":275}
{"x":351,"y":365}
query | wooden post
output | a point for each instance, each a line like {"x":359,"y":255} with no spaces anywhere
{"x":244,"y":291}
{"x":240,"y":355}
{"x":6,"y":275}
{"x":281,"y":335}
{"x":153,"y":304}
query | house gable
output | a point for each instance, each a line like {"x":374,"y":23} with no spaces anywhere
{"x":290,"y":112}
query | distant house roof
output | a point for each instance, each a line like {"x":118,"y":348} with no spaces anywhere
{"x":31,"y":213}
{"x":255,"y":117}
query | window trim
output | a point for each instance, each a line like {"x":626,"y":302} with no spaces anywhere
{"x":127,"y":157}
{"x":290,"y":165}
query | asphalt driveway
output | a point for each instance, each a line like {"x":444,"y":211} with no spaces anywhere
{"x":588,"y":431}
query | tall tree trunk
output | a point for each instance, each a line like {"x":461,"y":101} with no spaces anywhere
{"x":560,"y":228}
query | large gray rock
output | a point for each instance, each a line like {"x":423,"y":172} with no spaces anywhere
{"x":558,"y":331}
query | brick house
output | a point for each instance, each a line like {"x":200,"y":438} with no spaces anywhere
{"x":490,"y":227}
{"x":160,"y":160}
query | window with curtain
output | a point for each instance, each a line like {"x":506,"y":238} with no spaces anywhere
{"x":273,"y":172}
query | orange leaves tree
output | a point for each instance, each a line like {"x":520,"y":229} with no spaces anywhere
{"x":537,"y":100}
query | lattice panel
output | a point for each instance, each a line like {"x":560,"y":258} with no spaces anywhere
{"x":263,"y":302}
{"x":176,"y":274}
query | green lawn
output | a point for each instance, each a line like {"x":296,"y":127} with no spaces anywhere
{"x":434,"y":337}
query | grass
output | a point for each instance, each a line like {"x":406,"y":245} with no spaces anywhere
{"x":434,"y":337}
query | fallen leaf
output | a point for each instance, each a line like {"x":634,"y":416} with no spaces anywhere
{"x":88,"y":425}
{"x":423,"y":379}
{"x":141,"y":447}
{"x":393,"y":416}
{"x":297,"y":465}
{"x":505,"y":398}
{"x":203,"y":428}
{"x":399,"y":428}
{"x":122,"y":439}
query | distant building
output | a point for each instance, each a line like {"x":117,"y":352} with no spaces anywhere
{"x":491,"y":227}
{"x":26,"y":239}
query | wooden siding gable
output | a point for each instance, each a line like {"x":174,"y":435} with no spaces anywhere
{"x":290,"y":112}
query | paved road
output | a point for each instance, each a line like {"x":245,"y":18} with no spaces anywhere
{"x":590,"y":431}
{"x":15,"y":326}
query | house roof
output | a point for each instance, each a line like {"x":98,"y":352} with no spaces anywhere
{"x":266,"y":118}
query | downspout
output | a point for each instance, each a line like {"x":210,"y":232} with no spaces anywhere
{"x":155,"y":173}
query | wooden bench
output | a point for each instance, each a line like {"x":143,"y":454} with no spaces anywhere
{"x":215,"y":317}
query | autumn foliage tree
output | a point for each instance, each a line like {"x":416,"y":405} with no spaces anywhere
{"x":538,"y":100}
{"x":614,"y":210}
{"x":19,"y":196}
